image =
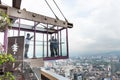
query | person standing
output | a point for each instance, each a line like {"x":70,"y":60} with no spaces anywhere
{"x":56,"y":45}
{"x":52,"y":46}
{"x":27,"y":42}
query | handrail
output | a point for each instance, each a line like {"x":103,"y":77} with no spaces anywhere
{"x":51,"y":75}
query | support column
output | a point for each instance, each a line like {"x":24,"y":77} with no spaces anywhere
{"x":47,"y":40}
{"x":34,"y":50}
{"x":67,"y":42}
{"x":5,"y":39}
{"x":60,"y":44}
{"x":58,"y":41}
{"x":43,"y":46}
{"x":19,"y":27}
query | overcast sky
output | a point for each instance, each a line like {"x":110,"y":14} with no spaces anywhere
{"x":96,"y":22}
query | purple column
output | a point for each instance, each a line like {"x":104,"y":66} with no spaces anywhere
{"x":47,"y":40}
{"x":19,"y":27}
{"x":5,"y":39}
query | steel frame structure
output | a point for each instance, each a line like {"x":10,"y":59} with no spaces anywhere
{"x":15,"y":14}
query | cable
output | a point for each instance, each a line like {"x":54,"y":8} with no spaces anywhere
{"x":51,"y":9}
{"x":60,"y":10}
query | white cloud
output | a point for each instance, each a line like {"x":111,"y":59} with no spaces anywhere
{"x":98,"y":21}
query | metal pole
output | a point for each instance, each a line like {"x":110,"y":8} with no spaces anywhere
{"x":34,"y":50}
{"x":60,"y":44}
{"x":58,"y":40}
{"x":67,"y":42}
{"x":43,"y":44}
{"x":19,"y":27}
{"x":47,"y":40}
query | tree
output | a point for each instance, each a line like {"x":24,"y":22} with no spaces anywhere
{"x":4,"y":21}
{"x":5,"y":58}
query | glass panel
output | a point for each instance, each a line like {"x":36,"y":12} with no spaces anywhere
{"x":56,"y":45}
{"x":39,"y":45}
{"x":22,"y":33}
{"x":45,"y":46}
{"x":26,"y":22}
{"x":63,"y":43}
{"x":53,"y":45}
{"x":13,"y":33}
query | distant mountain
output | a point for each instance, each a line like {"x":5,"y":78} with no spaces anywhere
{"x":117,"y":53}
{"x":109,"y":53}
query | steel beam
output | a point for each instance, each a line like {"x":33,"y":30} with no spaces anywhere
{"x":30,"y":28}
{"x":16,"y":3}
{"x":13,"y":12}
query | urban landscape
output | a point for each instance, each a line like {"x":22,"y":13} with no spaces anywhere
{"x":87,"y":67}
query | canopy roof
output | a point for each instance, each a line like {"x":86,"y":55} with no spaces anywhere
{"x":13,"y":9}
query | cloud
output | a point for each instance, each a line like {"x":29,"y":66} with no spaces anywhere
{"x":96,"y":27}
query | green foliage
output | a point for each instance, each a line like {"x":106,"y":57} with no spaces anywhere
{"x":4,"y":21}
{"x":4,"y":58}
{"x":7,"y":76}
